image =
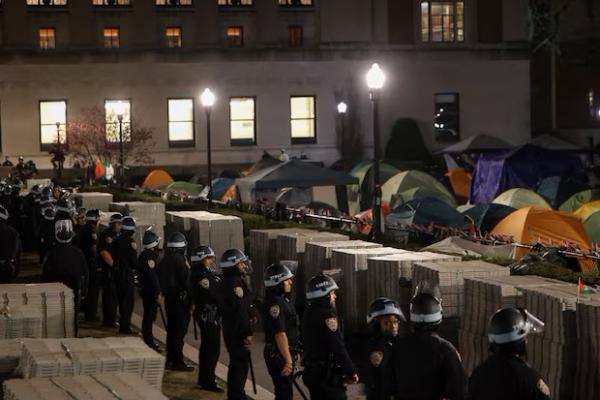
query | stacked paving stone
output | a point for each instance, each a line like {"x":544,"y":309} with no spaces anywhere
{"x":10,"y":354}
{"x":47,"y":358}
{"x":97,"y":200}
{"x":587,"y":376}
{"x":22,"y":322}
{"x":122,"y":386}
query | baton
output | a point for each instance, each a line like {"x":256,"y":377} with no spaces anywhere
{"x":252,"y":372}
{"x":195,"y":328}
{"x":162,"y":315}
{"x":298,"y":388}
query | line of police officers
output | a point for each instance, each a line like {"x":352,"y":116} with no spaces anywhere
{"x":406,"y":361}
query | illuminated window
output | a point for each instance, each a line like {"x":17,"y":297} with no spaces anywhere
{"x":181,"y":122}
{"x":51,"y":114}
{"x":295,"y":36}
{"x":112,"y":2}
{"x":111,"y":118}
{"x":442,"y":21}
{"x":173,"y":35}
{"x":173,"y":2}
{"x":242,"y":116}
{"x":235,"y":3}
{"x":296,"y":3}
{"x":111,"y":38}
{"x":446,"y":119}
{"x":46,"y":2}
{"x":235,"y":36}
{"x":303,"y":119}
{"x":47,"y":38}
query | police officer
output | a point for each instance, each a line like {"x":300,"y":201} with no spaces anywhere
{"x":64,"y":209}
{"x":173,"y":273}
{"x":79,"y":219}
{"x":426,"y":365}
{"x":47,"y":232}
{"x":237,"y":320}
{"x":281,"y":329}
{"x":149,"y":285}
{"x":126,"y":260}
{"x":384,"y":320}
{"x":505,"y":374}
{"x":204,"y":285}
{"x":10,"y":249}
{"x":109,"y":268}
{"x":87,"y":240}
{"x":327,"y":363}
{"x":66,"y":263}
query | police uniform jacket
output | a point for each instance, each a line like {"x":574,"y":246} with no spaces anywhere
{"x":65,"y":263}
{"x":279,"y":316}
{"x":380,"y":368}
{"x":236,"y":306}
{"x":173,"y":274}
{"x":204,"y":285}
{"x":106,"y":242}
{"x":10,"y":243}
{"x":148,"y":279}
{"x":88,"y":240}
{"x":323,"y":338}
{"x":125,"y":251}
{"x":504,"y":376}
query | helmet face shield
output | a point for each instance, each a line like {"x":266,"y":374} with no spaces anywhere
{"x":426,"y":287}
{"x":532,"y":323}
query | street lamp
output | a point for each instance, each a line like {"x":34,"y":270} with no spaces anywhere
{"x":58,"y":152}
{"x":207,"y":98}
{"x":342,"y":108}
{"x":120,"y":111}
{"x":375,"y":81}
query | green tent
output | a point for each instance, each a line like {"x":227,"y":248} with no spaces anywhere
{"x":362,"y":194}
{"x":519,"y":198}
{"x":579,"y":199}
{"x":191,"y":189}
{"x":592,"y":226}
{"x":416,"y":184}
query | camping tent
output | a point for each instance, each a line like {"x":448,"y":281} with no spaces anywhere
{"x":579,"y":199}
{"x":428,"y":187}
{"x":463,"y":247}
{"x":361,"y":195}
{"x":519,"y":198}
{"x":295,"y":173}
{"x":522,"y":167}
{"x":592,"y":226}
{"x":220,"y":189}
{"x":294,"y":197}
{"x":558,"y":189}
{"x":157,"y":178}
{"x":531,"y":224}
{"x":551,"y":142}
{"x":486,"y":216}
{"x":266,"y":161}
{"x":587,"y":209}
{"x":477,"y":144}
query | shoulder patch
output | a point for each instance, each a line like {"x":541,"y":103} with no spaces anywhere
{"x":376,"y":358}
{"x":542,"y":387}
{"x":151,"y":264}
{"x":205,"y":283}
{"x":332,"y":324}
{"x":238,"y":291}
{"x":274,"y":311}
{"x":109,"y":239}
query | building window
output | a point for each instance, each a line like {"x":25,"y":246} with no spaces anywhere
{"x":447,"y":121}
{"x":295,"y":3}
{"x":242,"y":116}
{"x":111,"y":38}
{"x":442,"y":21}
{"x":173,"y":35}
{"x":111,"y":118}
{"x":235,"y":36}
{"x":47,"y":38}
{"x":181,"y":122}
{"x":303,"y":118}
{"x":46,"y":2}
{"x":174,"y":3}
{"x":112,"y":2}
{"x":295,"y":36}
{"x":52,"y":113}
{"x":235,"y":3}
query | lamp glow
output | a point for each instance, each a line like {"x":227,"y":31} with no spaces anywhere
{"x":342,"y":108}
{"x":207,"y":98}
{"x":375,"y":77}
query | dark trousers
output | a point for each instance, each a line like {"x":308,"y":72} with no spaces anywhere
{"x":282,"y":384}
{"x":91,"y":301}
{"x":315,"y":380}
{"x":238,"y":367}
{"x":210,"y":348}
{"x":126,"y":297}
{"x":178,"y":319}
{"x":150,"y":310}
{"x":109,"y":300}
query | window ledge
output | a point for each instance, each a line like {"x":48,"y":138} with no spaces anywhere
{"x":296,"y":8}
{"x":243,"y":142}
{"x":182,"y":144}
{"x":234,"y":9}
{"x":47,"y":9}
{"x":176,"y":8}
{"x":304,"y":140}
{"x":113,"y":8}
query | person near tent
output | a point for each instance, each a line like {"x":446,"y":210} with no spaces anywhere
{"x":7,"y":162}
{"x":283,"y":156}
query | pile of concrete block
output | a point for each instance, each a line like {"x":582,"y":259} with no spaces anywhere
{"x":122,"y":386}
{"x":587,"y":372}
{"x":90,"y":200}
{"x":318,"y":254}
{"x":150,"y":213}
{"x":10,"y":355}
{"x":48,"y":358}
{"x":53,"y":301}
{"x":22,"y":322}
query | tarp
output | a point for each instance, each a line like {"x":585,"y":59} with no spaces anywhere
{"x":519,"y":198}
{"x":294,"y":197}
{"x":460,"y":181}
{"x":157,"y":178}
{"x":362,"y":194}
{"x":486,"y":216}
{"x":592,"y":226}
{"x":409,"y":180}
{"x":522,"y":167}
{"x":293,"y":173}
{"x":464,"y":247}
{"x":579,"y":199}
{"x":531,"y":224}
{"x":551,"y":142}
{"x":477,"y":144}
{"x":557,"y":189}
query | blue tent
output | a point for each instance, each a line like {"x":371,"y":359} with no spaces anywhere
{"x":486,"y":216}
{"x":558,"y":189}
{"x":522,"y":167}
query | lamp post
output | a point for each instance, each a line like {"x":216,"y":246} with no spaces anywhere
{"x":375,"y":81}
{"x":120,"y":111}
{"x":207,"y":98}
{"x":58,"y":152}
{"x":342,"y":108}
